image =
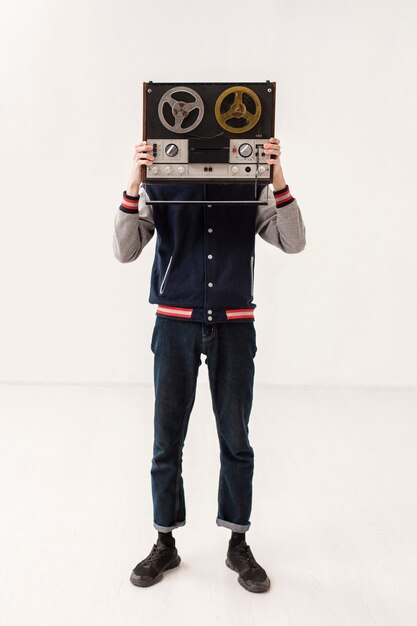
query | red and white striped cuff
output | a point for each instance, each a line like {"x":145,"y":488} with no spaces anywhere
{"x":283,"y":197}
{"x":130,"y":204}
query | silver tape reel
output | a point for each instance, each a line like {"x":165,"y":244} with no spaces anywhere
{"x":180,"y":109}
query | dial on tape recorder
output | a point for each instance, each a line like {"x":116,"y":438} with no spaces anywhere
{"x":208,"y":132}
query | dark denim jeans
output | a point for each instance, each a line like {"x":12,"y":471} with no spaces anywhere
{"x":230,"y":348}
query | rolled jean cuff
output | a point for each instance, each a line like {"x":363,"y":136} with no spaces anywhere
{"x":238,"y":528}
{"x":167,"y":529}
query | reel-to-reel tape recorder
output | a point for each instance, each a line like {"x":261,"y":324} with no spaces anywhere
{"x":208,"y":132}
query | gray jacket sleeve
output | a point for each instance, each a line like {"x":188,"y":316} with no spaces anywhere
{"x":132,"y":231}
{"x":283,"y":226}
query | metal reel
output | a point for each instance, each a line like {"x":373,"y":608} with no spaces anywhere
{"x":180,"y":110}
{"x":237,"y":109}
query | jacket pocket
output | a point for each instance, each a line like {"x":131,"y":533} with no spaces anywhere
{"x":164,"y":280}
{"x":251,"y":276}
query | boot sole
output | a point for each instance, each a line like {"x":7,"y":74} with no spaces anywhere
{"x":143,"y":583}
{"x":255,"y":588}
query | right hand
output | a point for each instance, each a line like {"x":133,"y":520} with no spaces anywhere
{"x":141,"y":157}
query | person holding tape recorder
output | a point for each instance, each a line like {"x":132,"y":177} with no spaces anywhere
{"x":202,"y":285}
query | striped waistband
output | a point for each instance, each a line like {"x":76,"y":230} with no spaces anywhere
{"x":236,"y":313}
{"x":231,"y":314}
{"x":174,"y":310}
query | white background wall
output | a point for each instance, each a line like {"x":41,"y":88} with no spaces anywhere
{"x":341,"y":312}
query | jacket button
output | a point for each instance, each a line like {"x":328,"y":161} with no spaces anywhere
{"x":210,"y":284}
{"x":210,"y":256}
{"x":209,"y":311}
{"x":209,"y":205}
{"x":209,"y":317}
{"x":210,"y":230}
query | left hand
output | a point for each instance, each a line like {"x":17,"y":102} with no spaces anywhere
{"x":273,"y":148}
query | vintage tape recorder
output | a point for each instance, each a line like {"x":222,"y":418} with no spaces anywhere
{"x":208,"y":132}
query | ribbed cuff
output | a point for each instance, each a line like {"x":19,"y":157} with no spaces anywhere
{"x":130,"y":204}
{"x":283,"y":197}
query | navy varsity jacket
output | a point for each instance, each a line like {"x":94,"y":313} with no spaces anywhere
{"x":203,"y":268}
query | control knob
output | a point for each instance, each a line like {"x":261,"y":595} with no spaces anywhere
{"x":245,"y":150}
{"x":171,"y":150}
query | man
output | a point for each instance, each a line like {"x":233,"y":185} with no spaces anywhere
{"x":202,"y":282}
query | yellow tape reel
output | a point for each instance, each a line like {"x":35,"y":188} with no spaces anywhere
{"x":237,"y":109}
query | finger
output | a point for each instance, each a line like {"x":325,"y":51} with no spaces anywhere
{"x":272,"y":143}
{"x":139,"y":161}
{"x":143,"y":149}
{"x":144,"y":156}
{"x":143,"y":160}
{"x":142,"y":153}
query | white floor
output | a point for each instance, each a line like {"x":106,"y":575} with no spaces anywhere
{"x":334,"y":513}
